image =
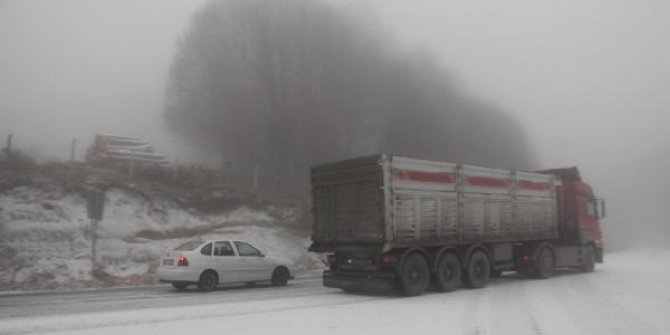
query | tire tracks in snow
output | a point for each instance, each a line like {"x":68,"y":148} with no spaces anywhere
{"x":502,"y":308}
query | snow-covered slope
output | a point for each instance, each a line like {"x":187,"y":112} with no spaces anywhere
{"x":45,"y":237}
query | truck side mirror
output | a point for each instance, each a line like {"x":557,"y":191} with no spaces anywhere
{"x":602,"y":208}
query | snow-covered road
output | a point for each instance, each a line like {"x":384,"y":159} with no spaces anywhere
{"x":630,"y":294}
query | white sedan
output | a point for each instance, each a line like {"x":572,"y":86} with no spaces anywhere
{"x":209,"y":263}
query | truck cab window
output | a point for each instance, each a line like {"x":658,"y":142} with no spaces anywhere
{"x":591,"y":209}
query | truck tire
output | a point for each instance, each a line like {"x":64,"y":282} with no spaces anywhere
{"x":589,"y":259}
{"x":545,"y":263}
{"x":477,"y":274}
{"x":415,"y":275}
{"x":448,"y":273}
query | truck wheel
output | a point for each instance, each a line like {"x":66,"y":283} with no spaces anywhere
{"x":545,"y":263}
{"x":208,"y":281}
{"x":478,"y":271}
{"x":589,"y":259}
{"x":415,"y":275}
{"x":448,"y":273}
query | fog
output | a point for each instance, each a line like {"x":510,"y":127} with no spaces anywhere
{"x":585,"y":81}
{"x":272,"y":88}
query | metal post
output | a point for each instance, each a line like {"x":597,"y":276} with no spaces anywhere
{"x":94,"y":233}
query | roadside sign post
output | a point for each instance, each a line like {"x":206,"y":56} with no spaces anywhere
{"x":95,"y":209}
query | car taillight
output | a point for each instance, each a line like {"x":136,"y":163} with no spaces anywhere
{"x":182,"y":261}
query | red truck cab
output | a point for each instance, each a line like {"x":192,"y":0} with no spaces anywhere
{"x":579,"y":211}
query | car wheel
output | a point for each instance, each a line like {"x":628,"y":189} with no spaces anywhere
{"x":179,"y":286}
{"x":280,"y":276}
{"x":478,"y":272}
{"x":208,"y":281}
{"x":448,"y":273}
{"x":415,"y":275}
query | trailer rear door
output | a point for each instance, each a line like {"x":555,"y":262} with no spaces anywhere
{"x":347,"y":200}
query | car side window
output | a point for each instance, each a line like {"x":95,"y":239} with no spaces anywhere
{"x":246,"y":249}
{"x":207,"y":250}
{"x":223,"y":249}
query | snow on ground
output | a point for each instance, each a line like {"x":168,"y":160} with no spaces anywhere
{"x":627,"y":295}
{"x":45,"y":240}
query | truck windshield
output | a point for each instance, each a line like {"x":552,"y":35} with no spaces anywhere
{"x":189,"y":246}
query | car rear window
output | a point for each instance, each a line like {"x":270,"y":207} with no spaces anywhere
{"x":189,"y":246}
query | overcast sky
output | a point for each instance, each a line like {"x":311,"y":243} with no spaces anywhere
{"x":587,"y":79}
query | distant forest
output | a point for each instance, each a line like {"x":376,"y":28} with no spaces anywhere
{"x":272,"y":87}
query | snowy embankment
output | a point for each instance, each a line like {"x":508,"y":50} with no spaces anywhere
{"x":45,"y":237}
{"x":629,"y":294}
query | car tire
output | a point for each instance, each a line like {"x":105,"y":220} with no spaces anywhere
{"x":280,"y":276}
{"x":448,"y":273}
{"x":477,"y":274}
{"x":208,"y":281}
{"x":415,"y":275}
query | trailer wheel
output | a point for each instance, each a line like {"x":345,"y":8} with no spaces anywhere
{"x":478,"y":271}
{"x":415,"y":275}
{"x":545,"y":263}
{"x":589,"y":259}
{"x":448,"y":273}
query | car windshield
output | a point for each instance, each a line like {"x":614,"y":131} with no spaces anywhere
{"x":188,"y":246}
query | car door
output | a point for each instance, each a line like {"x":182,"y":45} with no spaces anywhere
{"x":226,"y":262}
{"x":255,"y":265}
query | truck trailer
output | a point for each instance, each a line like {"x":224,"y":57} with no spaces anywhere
{"x":392,"y":222}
